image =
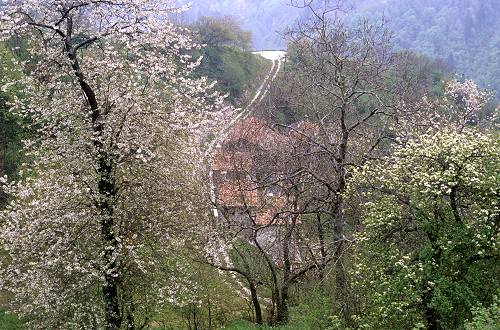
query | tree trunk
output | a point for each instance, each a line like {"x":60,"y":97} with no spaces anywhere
{"x":106,"y":188}
{"x":209,"y":314}
{"x":430,"y":313}
{"x":282,"y":307}
{"x":274,"y":277}
{"x":321,"y":237}
{"x":253,"y":288}
{"x":111,"y":277}
{"x":338,"y":218}
{"x":255,"y":302}
{"x":430,"y":316}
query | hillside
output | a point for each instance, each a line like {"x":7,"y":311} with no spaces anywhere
{"x":462,"y":33}
{"x":159,"y":172}
{"x":265,"y":18}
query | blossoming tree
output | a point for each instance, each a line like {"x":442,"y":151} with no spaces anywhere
{"x":426,"y":251}
{"x":112,"y":181}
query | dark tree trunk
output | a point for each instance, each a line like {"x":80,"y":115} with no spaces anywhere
{"x":106,"y":188}
{"x":430,"y":316}
{"x":209,"y":314}
{"x":338,"y":218}
{"x":321,"y":236}
{"x":111,"y":277}
{"x":253,"y":288}
{"x":255,"y":302}
{"x":274,"y":277}
{"x":282,"y":307}
{"x":430,"y":313}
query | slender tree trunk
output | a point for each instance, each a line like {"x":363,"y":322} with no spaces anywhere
{"x":321,"y":236}
{"x":195,"y":321}
{"x":431,"y":315}
{"x":275,"y":297}
{"x":338,"y":218}
{"x":253,"y":288}
{"x":255,"y":302}
{"x":106,"y":189}
{"x":282,"y":308}
{"x":274,"y":277}
{"x":209,"y":314}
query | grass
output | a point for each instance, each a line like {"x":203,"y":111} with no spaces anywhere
{"x":245,"y":325}
{"x":9,"y":322}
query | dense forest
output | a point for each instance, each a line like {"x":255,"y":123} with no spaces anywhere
{"x":157,"y":174}
{"x":463,"y":34}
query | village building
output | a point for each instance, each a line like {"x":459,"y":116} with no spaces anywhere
{"x":247,"y":198}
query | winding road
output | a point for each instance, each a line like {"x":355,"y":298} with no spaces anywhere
{"x":277,"y":58}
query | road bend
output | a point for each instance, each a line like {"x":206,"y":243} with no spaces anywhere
{"x":219,"y":253}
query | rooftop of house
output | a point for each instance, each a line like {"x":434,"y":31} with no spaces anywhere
{"x":240,"y":190}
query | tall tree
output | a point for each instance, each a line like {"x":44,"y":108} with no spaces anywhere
{"x":220,"y":32}
{"x":110,"y":94}
{"x":429,"y":218}
{"x":338,"y":77}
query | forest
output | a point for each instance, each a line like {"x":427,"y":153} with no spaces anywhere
{"x":463,"y":34}
{"x":156,"y":173}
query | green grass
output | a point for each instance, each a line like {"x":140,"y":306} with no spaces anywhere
{"x":245,"y":325}
{"x":9,"y":322}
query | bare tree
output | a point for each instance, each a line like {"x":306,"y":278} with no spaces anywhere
{"x":346,"y":81}
{"x":263,"y":199}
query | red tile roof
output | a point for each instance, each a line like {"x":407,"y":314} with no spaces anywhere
{"x":238,"y":193}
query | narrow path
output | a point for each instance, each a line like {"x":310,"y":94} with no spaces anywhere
{"x":242,"y":114}
{"x":221,"y":254}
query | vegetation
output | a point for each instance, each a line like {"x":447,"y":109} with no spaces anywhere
{"x":486,"y":318}
{"x":226,"y":55}
{"x":108,"y":125}
{"x":429,"y":232}
{"x":462,"y":34}
{"x":359,"y":191}
{"x":12,"y":130}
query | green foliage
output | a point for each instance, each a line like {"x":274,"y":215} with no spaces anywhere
{"x":485,"y":318}
{"x":220,"y":32}
{"x":232,"y":68}
{"x":226,"y":55}
{"x":10,"y":126}
{"x":211,"y":302}
{"x":427,"y":251}
{"x":313,"y":306}
{"x":463,"y":34}
{"x":9,"y":322}
{"x":245,"y":325}
{"x":263,"y":17}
